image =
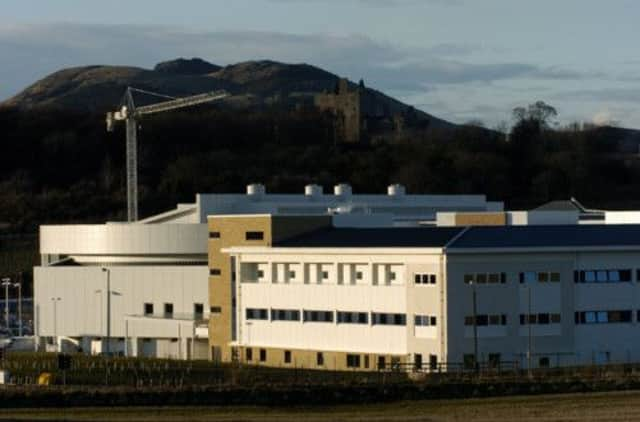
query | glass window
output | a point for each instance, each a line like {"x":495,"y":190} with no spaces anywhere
{"x":254,"y":236}
{"x":602,"y":316}
{"x":494,"y":320}
{"x":468,"y":320}
{"x":529,"y":277}
{"x":425,"y":278}
{"x":168,"y":310}
{"x":494,"y":278}
{"x":601,"y":276}
{"x":555,"y":318}
{"x":432,"y":279}
{"x":481,"y":278}
{"x":543,"y":319}
{"x":589,"y":276}
{"x":555,"y":277}
{"x":614,"y":275}
{"x":432,"y":321}
{"x":319,"y":359}
{"x":148,"y":308}
{"x":590,"y":317}
{"x":418,"y":278}
{"x":543,"y":277}
{"x":468,"y":278}
{"x":359,"y":275}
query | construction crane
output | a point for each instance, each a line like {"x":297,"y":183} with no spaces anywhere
{"x":131,"y":114}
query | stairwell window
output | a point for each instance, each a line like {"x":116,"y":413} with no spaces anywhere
{"x":254,"y":236}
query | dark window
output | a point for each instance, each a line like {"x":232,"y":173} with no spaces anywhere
{"x":148,"y":308}
{"x":482,"y":320}
{"x":285,"y":315}
{"x":417,"y":361}
{"x":433,"y":321}
{"x":523,"y":320}
{"x":625,"y":275}
{"x":432,"y":279}
{"x":214,"y":235}
{"x":469,"y":361}
{"x":503,"y":278}
{"x":366,"y":361}
{"x":433,"y":362}
{"x":417,"y":278}
{"x":263,"y":355}
{"x":287,"y":356}
{"x":494,"y":360}
{"x":249,"y":354}
{"x":353,"y":361}
{"x":215,"y":309}
{"x":260,"y":314}
{"x":359,"y":275}
{"x":317,"y":316}
{"x":381,"y":362}
{"x":543,"y":319}
{"x":214,"y":271}
{"x":576,"y":276}
{"x":543,"y":362}
{"x":503,"y":319}
{"x":555,"y":318}
{"x":254,"y":236}
{"x":168,"y":310}
{"x":198,"y":310}
{"x":319,"y":359}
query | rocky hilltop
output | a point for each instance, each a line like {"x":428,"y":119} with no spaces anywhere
{"x":100,"y":88}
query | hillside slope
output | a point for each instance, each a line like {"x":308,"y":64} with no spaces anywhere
{"x":100,"y":88}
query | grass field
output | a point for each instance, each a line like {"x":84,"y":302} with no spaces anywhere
{"x":619,"y":406}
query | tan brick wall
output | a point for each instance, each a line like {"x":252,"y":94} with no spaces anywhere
{"x":307,"y":359}
{"x":233,"y":231}
{"x":481,"y":219}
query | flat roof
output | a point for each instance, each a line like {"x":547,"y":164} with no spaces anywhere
{"x":404,"y":237}
{"x":473,"y":237}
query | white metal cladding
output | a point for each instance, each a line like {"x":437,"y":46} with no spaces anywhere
{"x":82,"y":308}
{"x":124,"y":239}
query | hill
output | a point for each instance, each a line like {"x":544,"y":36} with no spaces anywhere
{"x":252,"y":83}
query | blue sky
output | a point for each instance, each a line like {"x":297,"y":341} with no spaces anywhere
{"x":457,"y":59}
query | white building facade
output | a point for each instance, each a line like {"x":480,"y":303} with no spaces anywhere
{"x":545,"y":296}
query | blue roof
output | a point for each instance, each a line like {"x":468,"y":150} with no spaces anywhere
{"x":477,"y":237}
{"x":408,"y":237}
{"x":549,"y":236}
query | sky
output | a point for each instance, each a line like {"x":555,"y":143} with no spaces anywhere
{"x":460,"y":60}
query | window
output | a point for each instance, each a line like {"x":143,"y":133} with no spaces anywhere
{"x":392,"y":276}
{"x":469,"y":361}
{"x":198,"y":310}
{"x":353,"y":317}
{"x":603,"y":317}
{"x":148,"y":308}
{"x":541,"y":318}
{"x":381,"y":362}
{"x":287,"y":356}
{"x":602,"y":276}
{"x":317,"y":316}
{"x":215,"y":309}
{"x":285,"y":315}
{"x":168,"y":310}
{"x":485,"y":278}
{"x":353,"y":361}
{"x":366,"y":361}
{"x":325,"y":275}
{"x":543,"y":362}
{"x":486,"y":320}
{"x":215,"y":271}
{"x":248,"y":354}
{"x":292,"y":274}
{"x":260,"y":314}
{"x":540,"y":277}
{"x":263,"y":355}
{"x":359,"y":275}
{"x":260,"y":274}
{"x":319,"y":359}
{"x":424,"y":320}
{"x":494,"y":360}
{"x":388,"y":319}
{"x":425,"y":279}
{"x":214,"y":235}
{"x":417,"y":361}
{"x":254,"y":236}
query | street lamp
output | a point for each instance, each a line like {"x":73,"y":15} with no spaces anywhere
{"x":55,"y":301}
{"x":6,"y":282}
{"x":19,"y":286}
{"x":475,"y":325}
{"x":108,"y":311}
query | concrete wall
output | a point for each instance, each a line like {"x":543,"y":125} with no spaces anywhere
{"x":82,"y":308}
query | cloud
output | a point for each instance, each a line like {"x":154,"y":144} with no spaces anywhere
{"x":31,"y":51}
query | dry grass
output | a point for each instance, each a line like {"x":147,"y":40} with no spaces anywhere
{"x":619,"y":406}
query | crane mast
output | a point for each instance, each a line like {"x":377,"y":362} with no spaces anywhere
{"x":131,"y":114}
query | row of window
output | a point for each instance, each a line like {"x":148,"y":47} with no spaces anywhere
{"x":352,"y":360}
{"x":377,"y":318}
{"x":540,"y":319}
{"x":424,"y":278}
{"x":485,"y":278}
{"x":604,"y":317}
{"x":486,"y":320}
{"x":602,"y":276}
{"x":250,"y":235}
{"x":148,"y":310}
{"x":539,"y":277}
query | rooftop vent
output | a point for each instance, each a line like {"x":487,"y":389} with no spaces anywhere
{"x":342,"y":190}
{"x":313,"y":190}
{"x":396,"y":190}
{"x":256,"y":189}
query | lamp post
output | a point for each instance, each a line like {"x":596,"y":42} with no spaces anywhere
{"x":6,"y":282}
{"x":19,"y":286}
{"x":108,"y":311}
{"x":55,"y":301}
{"x":475,"y":326}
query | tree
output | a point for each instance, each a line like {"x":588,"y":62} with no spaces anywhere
{"x":538,"y":112}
